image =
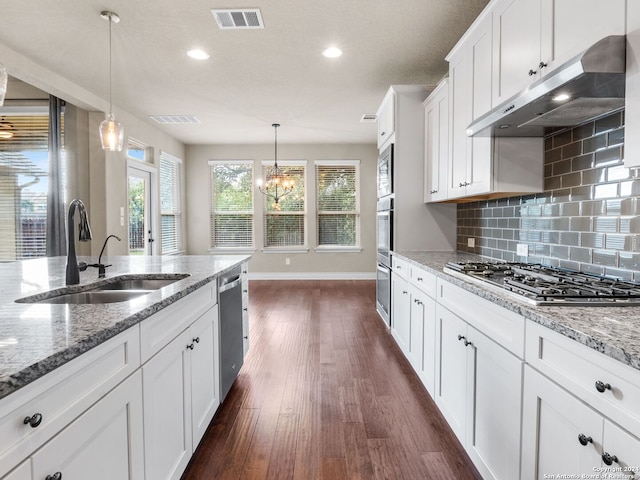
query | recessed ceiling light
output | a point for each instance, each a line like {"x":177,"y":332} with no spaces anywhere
{"x":198,"y":54}
{"x":561,"y":97}
{"x":332,"y":52}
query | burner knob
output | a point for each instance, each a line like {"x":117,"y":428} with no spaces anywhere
{"x":487,"y":273}
{"x":509,"y":273}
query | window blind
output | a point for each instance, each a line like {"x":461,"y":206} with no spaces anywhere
{"x":338,"y":203}
{"x":232,"y":204}
{"x":170,"y":203}
{"x":24,"y":160}
{"x":285,"y":221}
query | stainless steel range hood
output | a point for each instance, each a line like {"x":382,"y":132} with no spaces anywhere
{"x":594,"y":82}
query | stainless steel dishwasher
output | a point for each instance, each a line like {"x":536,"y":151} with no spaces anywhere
{"x":231,"y":346}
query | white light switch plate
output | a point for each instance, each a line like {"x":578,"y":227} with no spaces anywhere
{"x":522,"y":250}
{"x":471,"y":242}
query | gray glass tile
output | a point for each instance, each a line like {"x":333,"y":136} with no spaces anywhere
{"x":552,"y":183}
{"x":607,"y":190}
{"x":571,"y":180}
{"x":593,"y":208}
{"x":559,"y":251}
{"x":607,"y":258}
{"x":616,"y":137}
{"x":607,"y":157}
{"x":629,"y":206}
{"x":548,"y":169}
{"x":613,"y":207}
{"x":561,"y":167}
{"x":569,"y":238}
{"x":580,"y":224}
{"x":609,"y":123}
{"x":548,"y":143}
{"x":569,"y":265}
{"x":581,"y":193}
{"x":551,"y":237}
{"x":594,"y":143}
{"x":592,"y":240}
{"x":562,"y":195}
{"x":570,"y":209}
{"x":560,"y":223}
{"x":551,"y":210}
{"x":508,"y":256}
{"x":583,"y":131}
{"x":629,"y":224}
{"x":508,"y":234}
{"x":594,"y":176}
{"x":578,"y":254}
{"x":618,"y":172}
{"x":562,"y":139}
{"x":514,"y":223}
{"x":617,"y":241}
{"x":503,"y":244}
{"x":629,"y":260}
{"x":542,"y":249}
{"x":572,"y":150}
{"x":630,"y":188}
{"x":605,"y":224}
{"x":617,"y":273}
{"x":583,"y":162}
{"x":593,"y":269}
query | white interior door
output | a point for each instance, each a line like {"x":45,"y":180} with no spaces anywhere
{"x":140,"y":215}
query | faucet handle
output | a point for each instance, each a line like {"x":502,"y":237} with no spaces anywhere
{"x":82,"y":266}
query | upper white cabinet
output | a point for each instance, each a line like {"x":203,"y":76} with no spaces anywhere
{"x":386,"y":119}
{"x":532,"y":37}
{"x":436,"y":143}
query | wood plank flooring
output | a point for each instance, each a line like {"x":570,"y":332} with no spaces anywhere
{"x":325,"y":393}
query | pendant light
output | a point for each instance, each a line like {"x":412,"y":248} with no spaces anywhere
{"x":4,"y":78}
{"x":111,"y":132}
{"x":276,"y":184}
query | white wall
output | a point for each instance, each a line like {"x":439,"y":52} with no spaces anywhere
{"x":303,"y":265}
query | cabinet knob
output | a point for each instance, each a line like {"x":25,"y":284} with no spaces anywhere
{"x":382,"y":134}
{"x":245,"y":291}
{"x":418,"y":302}
{"x":246,"y":337}
{"x":542,"y":65}
{"x":420,"y":279}
{"x":191,"y":346}
{"x":601,"y":387}
{"x":609,"y":459}
{"x":245,"y":309}
{"x":404,"y":292}
{"x":461,"y":184}
{"x":197,"y":339}
{"x":55,"y":476}
{"x":467,"y":343}
{"x":584,"y":440}
{"x":532,"y":72}
{"x":462,"y":337}
{"x":34,"y":420}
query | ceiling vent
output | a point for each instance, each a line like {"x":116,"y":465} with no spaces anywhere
{"x":238,"y":18}
{"x":368,"y":118}
{"x":174,"y":119}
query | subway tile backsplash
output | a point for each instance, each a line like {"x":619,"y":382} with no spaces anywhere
{"x":588,"y":217}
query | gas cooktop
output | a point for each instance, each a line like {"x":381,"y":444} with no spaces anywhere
{"x":543,"y":285}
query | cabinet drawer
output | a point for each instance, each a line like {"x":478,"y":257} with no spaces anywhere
{"x":502,"y":326}
{"x":423,"y":280}
{"x":158,"y":330}
{"x":62,"y":395}
{"x":577,"y":368}
{"x":401,"y":267}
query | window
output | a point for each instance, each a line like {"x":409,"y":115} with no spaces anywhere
{"x":231,"y":204}
{"x":338,"y":204}
{"x":139,"y":151}
{"x":170,"y":203}
{"x":24,"y":170}
{"x":285,"y":221}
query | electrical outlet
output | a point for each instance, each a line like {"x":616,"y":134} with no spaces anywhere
{"x":471,"y":242}
{"x":287,"y":261}
{"x":522,"y":250}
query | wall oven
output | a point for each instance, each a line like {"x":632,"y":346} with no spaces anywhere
{"x":384,"y":234}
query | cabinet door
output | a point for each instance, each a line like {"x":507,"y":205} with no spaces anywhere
{"x":451,"y":369}
{"x":386,"y":119}
{"x":167,"y":411}
{"x":401,"y":310}
{"x":459,"y":143}
{"x":516,"y":46}
{"x":494,"y":408}
{"x":436,"y":148}
{"x":623,"y":448}
{"x":571,"y":26}
{"x":23,"y":472}
{"x":204,"y":372}
{"x":423,"y":337}
{"x":104,"y":443}
{"x":553,"y":420}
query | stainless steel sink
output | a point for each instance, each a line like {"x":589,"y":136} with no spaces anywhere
{"x":117,"y":289}
{"x":96,"y":296}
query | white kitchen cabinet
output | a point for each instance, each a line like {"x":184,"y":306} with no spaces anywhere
{"x":478,"y":390}
{"x":436,"y":143}
{"x":532,"y":37}
{"x":245,"y":307}
{"x":22,"y":472}
{"x":422,"y":346}
{"x":386,"y":119}
{"x":180,"y":386}
{"x":563,"y":435}
{"x":400,"y":311}
{"x":632,"y":89}
{"x":104,"y":443}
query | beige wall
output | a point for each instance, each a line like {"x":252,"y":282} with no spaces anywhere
{"x":309,"y":263}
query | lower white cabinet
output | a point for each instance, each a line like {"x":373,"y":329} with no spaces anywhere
{"x":400,"y":311}
{"x":22,"y":472}
{"x":422,"y":344}
{"x":104,"y":443}
{"x":180,"y":388}
{"x":478,"y":390}
{"x":562,"y":435}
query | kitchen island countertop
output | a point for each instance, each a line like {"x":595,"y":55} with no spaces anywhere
{"x":613,"y":331}
{"x":37,"y":338}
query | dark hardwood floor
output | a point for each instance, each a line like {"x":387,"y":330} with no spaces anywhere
{"x":325,"y":393}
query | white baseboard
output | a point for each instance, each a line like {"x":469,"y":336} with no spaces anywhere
{"x":312,"y":275}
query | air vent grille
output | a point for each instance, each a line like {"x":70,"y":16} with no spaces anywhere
{"x":369,"y":118}
{"x":175,"y":119}
{"x":238,"y":18}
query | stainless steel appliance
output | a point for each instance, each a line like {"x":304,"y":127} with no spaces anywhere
{"x":542,"y":285}
{"x":231,"y":346}
{"x":384,"y":233}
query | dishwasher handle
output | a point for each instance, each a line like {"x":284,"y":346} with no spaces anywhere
{"x":234,"y":282}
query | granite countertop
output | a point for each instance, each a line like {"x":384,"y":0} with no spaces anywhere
{"x":37,"y":338}
{"x":613,"y":331}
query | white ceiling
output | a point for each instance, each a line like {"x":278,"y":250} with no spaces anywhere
{"x":254,"y":77}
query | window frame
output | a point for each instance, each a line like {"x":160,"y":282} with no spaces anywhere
{"x":265,"y":164}
{"x":237,"y":249}
{"x":179,"y":241}
{"x":358,"y":213}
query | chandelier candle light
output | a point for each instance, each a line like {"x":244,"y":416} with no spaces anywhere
{"x":276,"y":184}
{"x":111,"y":132}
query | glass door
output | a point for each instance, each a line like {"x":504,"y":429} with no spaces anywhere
{"x":140,"y":228}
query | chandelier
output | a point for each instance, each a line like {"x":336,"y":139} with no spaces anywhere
{"x":111,"y":132}
{"x":276,"y":184}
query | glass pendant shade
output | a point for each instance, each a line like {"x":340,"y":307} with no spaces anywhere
{"x":276,"y":183}
{"x":3,"y":83}
{"x":111,"y":134}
